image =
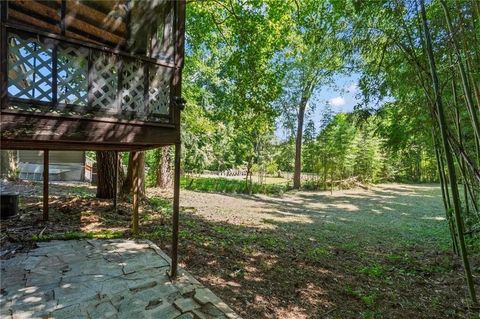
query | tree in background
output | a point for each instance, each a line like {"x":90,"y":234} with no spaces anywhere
{"x":134,"y":169}
{"x":105,"y":174}
{"x":8,"y":164}
{"x":163,"y":167}
{"x":314,"y":55}
{"x":232,"y":81}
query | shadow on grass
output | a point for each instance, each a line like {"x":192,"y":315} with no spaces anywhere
{"x":277,"y":273}
{"x":333,"y":262}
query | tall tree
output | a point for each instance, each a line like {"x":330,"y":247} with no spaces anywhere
{"x":105,"y":174}
{"x":315,"y":55}
{"x":235,"y":78}
{"x":163,"y":167}
{"x":136,"y":167}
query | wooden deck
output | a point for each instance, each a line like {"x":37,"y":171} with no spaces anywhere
{"x":97,"y":75}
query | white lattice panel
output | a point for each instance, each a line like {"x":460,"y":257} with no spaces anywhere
{"x":104,"y":81}
{"x":29,"y":69}
{"x":132,"y":94}
{"x":159,"y":90}
{"x":72,"y":75}
{"x":85,"y":75}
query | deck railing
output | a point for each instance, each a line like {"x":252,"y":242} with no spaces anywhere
{"x":58,"y":76}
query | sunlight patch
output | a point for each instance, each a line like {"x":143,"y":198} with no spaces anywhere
{"x":433,"y":217}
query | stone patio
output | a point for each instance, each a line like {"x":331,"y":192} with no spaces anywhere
{"x":102,"y":279}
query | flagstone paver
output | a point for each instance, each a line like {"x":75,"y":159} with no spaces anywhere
{"x":102,"y":279}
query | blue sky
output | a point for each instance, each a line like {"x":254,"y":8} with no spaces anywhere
{"x":341,"y":93}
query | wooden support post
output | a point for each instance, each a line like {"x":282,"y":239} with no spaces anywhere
{"x":115,"y":181}
{"x":3,"y":55}
{"x":136,"y":190}
{"x":176,"y":206}
{"x":45,"y":183}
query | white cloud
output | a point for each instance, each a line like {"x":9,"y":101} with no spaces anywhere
{"x":337,"y":101}
{"x":353,"y":88}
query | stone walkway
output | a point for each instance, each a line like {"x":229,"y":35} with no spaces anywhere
{"x":102,"y":279}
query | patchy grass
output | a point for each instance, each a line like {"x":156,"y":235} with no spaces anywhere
{"x":383,"y":253}
{"x":227,"y":185}
{"x":375,"y":270}
{"x":293,"y":256}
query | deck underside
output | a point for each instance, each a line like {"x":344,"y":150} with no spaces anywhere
{"x":24,"y":131}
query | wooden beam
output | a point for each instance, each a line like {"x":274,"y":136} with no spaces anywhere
{"x":176,"y":91}
{"x":176,"y":208}
{"x":180,"y":33}
{"x":46,"y":172}
{"x":32,"y":21}
{"x":72,"y":146}
{"x":135,"y":191}
{"x":34,"y":128}
{"x":115,"y":178}
{"x":63,"y":10}
{"x":39,"y":8}
{"x":84,"y":11}
{"x":72,"y":22}
{"x":3,"y":55}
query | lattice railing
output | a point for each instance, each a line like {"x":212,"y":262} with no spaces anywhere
{"x":29,"y":69}
{"x":104,"y":82}
{"x":72,"y":75}
{"x":133,"y":89}
{"x":53,"y":76}
{"x":158,"y":92}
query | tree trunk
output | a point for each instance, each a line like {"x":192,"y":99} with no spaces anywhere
{"x":164,"y":168}
{"x":128,"y":183}
{"x":105,"y":174}
{"x":298,"y":147}
{"x":248,"y":177}
{"x":138,"y":189}
{"x":8,"y":164}
{"x":448,"y":155}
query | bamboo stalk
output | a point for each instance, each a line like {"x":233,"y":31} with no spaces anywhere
{"x":448,"y":154}
{"x":463,"y":74}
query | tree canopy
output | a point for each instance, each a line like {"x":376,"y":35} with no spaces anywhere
{"x":254,"y":67}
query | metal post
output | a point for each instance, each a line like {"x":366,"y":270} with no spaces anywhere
{"x":176,"y":205}
{"x":115,"y":188}
{"x":45,"y":184}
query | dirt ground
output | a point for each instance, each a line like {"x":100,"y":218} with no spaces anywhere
{"x":377,"y":253}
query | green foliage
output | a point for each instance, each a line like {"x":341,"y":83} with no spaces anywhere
{"x":237,"y":86}
{"x":160,"y":204}
{"x":369,"y":299}
{"x":348,"y":147}
{"x":232,"y":79}
{"x":225,"y":185}
{"x":375,"y":270}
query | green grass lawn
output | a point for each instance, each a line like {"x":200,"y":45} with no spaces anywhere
{"x":233,"y":185}
{"x":378,"y":253}
{"x":382,"y":253}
